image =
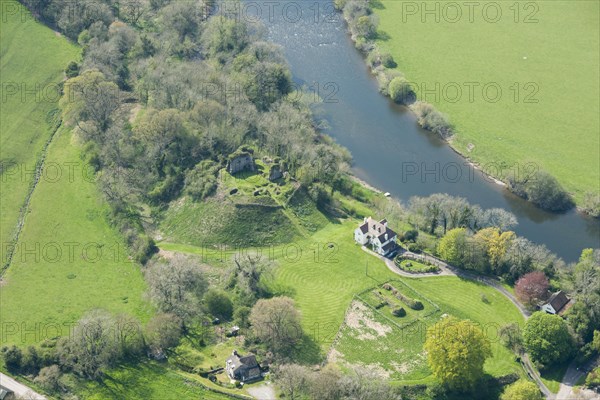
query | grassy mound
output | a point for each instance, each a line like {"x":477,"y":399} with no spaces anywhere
{"x":218,"y":221}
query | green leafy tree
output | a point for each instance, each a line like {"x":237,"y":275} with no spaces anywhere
{"x":400,"y":90}
{"x":218,"y":304}
{"x":547,"y":338}
{"x":456,"y":351}
{"x":522,"y":390}
{"x":453,"y":247}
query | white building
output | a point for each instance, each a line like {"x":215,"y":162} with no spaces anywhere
{"x":556,"y":304}
{"x":377,"y":234}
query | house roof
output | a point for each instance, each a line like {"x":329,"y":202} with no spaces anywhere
{"x":239,"y":361}
{"x":389,"y":246}
{"x":558,"y":300}
{"x":377,"y":228}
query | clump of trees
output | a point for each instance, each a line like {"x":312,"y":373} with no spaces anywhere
{"x":176,"y":286}
{"x":431,"y":119}
{"x":300,"y":382}
{"x":456,"y":351}
{"x":543,"y":190}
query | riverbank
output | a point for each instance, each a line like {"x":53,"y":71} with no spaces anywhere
{"x":497,"y":155}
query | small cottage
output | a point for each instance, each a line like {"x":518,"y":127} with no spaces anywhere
{"x":557,"y":303}
{"x":242,"y":368}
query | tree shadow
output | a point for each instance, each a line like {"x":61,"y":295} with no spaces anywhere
{"x":307,"y":351}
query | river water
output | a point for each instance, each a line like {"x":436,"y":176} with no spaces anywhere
{"x":390,"y":151}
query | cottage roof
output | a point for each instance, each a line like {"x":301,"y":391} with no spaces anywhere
{"x":377,"y":228}
{"x":558,"y":300}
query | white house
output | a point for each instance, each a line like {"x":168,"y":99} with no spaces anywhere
{"x":556,"y":303}
{"x":378,"y":235}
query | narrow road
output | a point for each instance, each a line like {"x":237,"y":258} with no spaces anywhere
{"x":449,"y":270}
{"x":571,"y":378}
{"x":20,"y":390}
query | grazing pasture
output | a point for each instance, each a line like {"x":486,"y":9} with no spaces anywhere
{"x":521,"y":86}
{"x":32,"y":63}
{"x":68,"y":259}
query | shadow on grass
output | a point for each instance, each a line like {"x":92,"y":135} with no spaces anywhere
{"x":307,"y":351}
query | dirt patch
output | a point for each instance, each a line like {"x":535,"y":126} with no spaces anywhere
{"x":360,"y":317}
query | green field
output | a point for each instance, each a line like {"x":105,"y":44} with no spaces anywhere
{"x":32,"y":63}
{"x":558,"y":54}
{"x":393,"y":346}
{"x":68,"y":260}
{"x":145,"y":381}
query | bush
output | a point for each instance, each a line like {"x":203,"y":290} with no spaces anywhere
{"x":400,"y":91}
{"x":543,"y":190}
{"x":49,"y":378}
{"x":13,"y":358}
{"x":410,"y":235}
{"x":72,"y":69}
{"x":399,"y":312}
{"x":591,"y":204}
{"x":431,"y":119}
{"x":414,"y":247}
{"x":411,"y":303}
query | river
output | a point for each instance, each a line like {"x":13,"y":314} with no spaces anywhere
{"x":390,"y":151}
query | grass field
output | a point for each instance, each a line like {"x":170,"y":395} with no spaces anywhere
{"x":393,"y":347}
{"x":33,"y":60}
{"x":145,"y":381}
{"x":68,"y":260}
{"x":323,"y":274}
{"x":553,"y":50}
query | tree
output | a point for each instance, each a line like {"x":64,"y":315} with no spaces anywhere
{"x":547,"y":338}
{"x":498,"y":218}
{"x":532,"y":287}
{"x":49,"y":378}
{"x":400,"y":90}
{"x":163,"y":332}
{"x":292,"y":380}
{"x":495,"y":244}
{"x":218,"y":304}
{"x":522,"y":390}
{"x":543,"y":190}
{"x":456,"y":351}
{"x":276,"y":322}
{"x":511,"y":337}
{"x":13,"y":358}
{"x":585,"y":314}
{"x":176,"y":287}
{"x":91,"y":347}
{"x":245,"y":275}
{"x":454,"y":246}
{"x":90,"y":98}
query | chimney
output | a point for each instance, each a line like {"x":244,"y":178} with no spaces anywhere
{"x":365,"y":220}
{"x":386,"y":236}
